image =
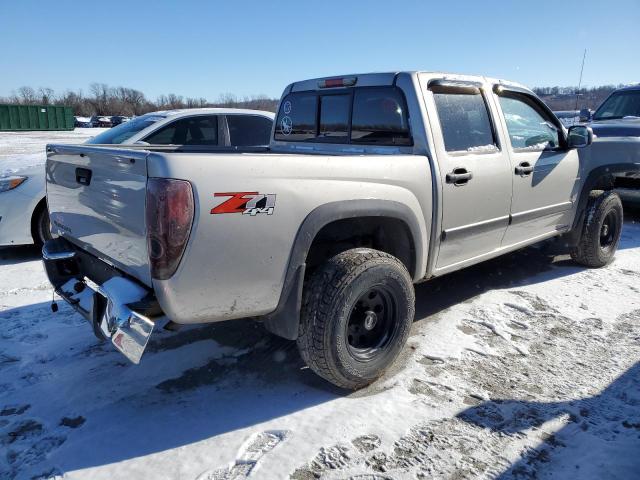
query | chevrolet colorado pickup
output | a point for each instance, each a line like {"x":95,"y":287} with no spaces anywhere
{"x":371,"y":183}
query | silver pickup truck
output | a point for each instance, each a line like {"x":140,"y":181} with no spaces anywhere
{"x":371,"y":183}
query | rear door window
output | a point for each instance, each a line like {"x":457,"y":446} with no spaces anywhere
{"x":465,"y":122}
{"x":249,"y":130}
{"x":197,"y":130}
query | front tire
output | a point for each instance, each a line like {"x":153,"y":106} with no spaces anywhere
{"x":356,"y":315}
{"x":601,"y":230}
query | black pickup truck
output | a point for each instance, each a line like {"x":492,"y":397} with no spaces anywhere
{"x":619,"y":116}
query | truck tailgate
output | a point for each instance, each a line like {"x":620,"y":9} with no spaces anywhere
{"x":96,"y":199}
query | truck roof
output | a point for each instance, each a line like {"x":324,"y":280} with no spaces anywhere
{"x":628,"y":87}
{"x":388,"y":78}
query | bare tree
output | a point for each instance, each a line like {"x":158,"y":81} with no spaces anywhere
{"x":196,"y":102}
{"x":128,"y":101}
{"x":259,"y":102}
{"x":170,"y":101}
{"x":27,"y":95}
{"x":227,"y":100}
{"x":46,"y":95}
{"x":105,"y":100}
{"x":100,"y":97}
{"x":76,"y":101}
{"x":564,"y":98}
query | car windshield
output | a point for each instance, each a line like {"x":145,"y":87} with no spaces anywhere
{"x":620,"y":105}
{"x":125,"y":131}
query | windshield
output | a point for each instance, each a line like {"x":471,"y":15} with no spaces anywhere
{"x":125,"y":131}
{"x":620,"y":105}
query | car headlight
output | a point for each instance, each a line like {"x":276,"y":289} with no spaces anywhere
{"x":9,"y":183}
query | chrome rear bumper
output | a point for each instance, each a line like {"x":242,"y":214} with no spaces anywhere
{"x":108,"y":305}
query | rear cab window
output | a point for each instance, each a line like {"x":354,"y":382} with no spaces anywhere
{"x":360,"y":115}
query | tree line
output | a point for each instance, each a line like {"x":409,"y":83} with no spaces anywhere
{"x":572,"y":98}
{"x":103,"y":99}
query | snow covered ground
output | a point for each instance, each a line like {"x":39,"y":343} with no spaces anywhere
{"x":523,"y":367}
{"x":20,"y":150}
{"x":15,"y":143}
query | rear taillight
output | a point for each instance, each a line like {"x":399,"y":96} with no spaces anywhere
{"x":169,"y":216}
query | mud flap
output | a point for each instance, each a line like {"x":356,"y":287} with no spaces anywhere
{"x":285,"y":320}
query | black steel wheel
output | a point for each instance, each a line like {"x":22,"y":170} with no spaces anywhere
{"x":372,"y":324}
{"x":601,"y":230}
{"x":608,"y":229}
{"x":356,"y":315}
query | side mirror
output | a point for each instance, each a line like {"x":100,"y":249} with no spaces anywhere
{"x":585,"y":115}
{"x":579,"y":136}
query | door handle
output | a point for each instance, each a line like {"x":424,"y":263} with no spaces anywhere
{"x":83,"y":176}
{"x":459,"y":176}
{"x":524,"y":169}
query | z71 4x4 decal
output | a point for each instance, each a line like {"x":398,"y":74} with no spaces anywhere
{"x":247,"y":203}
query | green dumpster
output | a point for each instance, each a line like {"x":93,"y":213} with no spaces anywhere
{"x":35,"y":117}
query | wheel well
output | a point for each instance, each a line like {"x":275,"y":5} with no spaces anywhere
{"x":604,"y":182}
{"x":605,"y":177}
{"x":629,"y":180}
{"x":386,"y":234}
{"x":42,"y":205}
{"x":618,"y":176}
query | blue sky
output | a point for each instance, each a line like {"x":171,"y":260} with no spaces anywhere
{"x":206,"y":48}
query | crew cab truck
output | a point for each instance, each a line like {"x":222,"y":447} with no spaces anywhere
{"x":371,"y":183}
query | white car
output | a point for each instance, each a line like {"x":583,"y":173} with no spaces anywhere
{"x":23,"y":214}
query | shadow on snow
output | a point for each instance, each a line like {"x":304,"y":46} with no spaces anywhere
{"x":601,"y":438}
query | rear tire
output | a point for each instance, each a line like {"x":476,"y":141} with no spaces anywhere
{"x":42,"y":227}
{"x":601,"y":230}
{"x":356,"y":315}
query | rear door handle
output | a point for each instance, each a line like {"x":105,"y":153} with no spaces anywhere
{"x":524,"y":169}
{"x":83,"y":176}
{"x":459,"y":176}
